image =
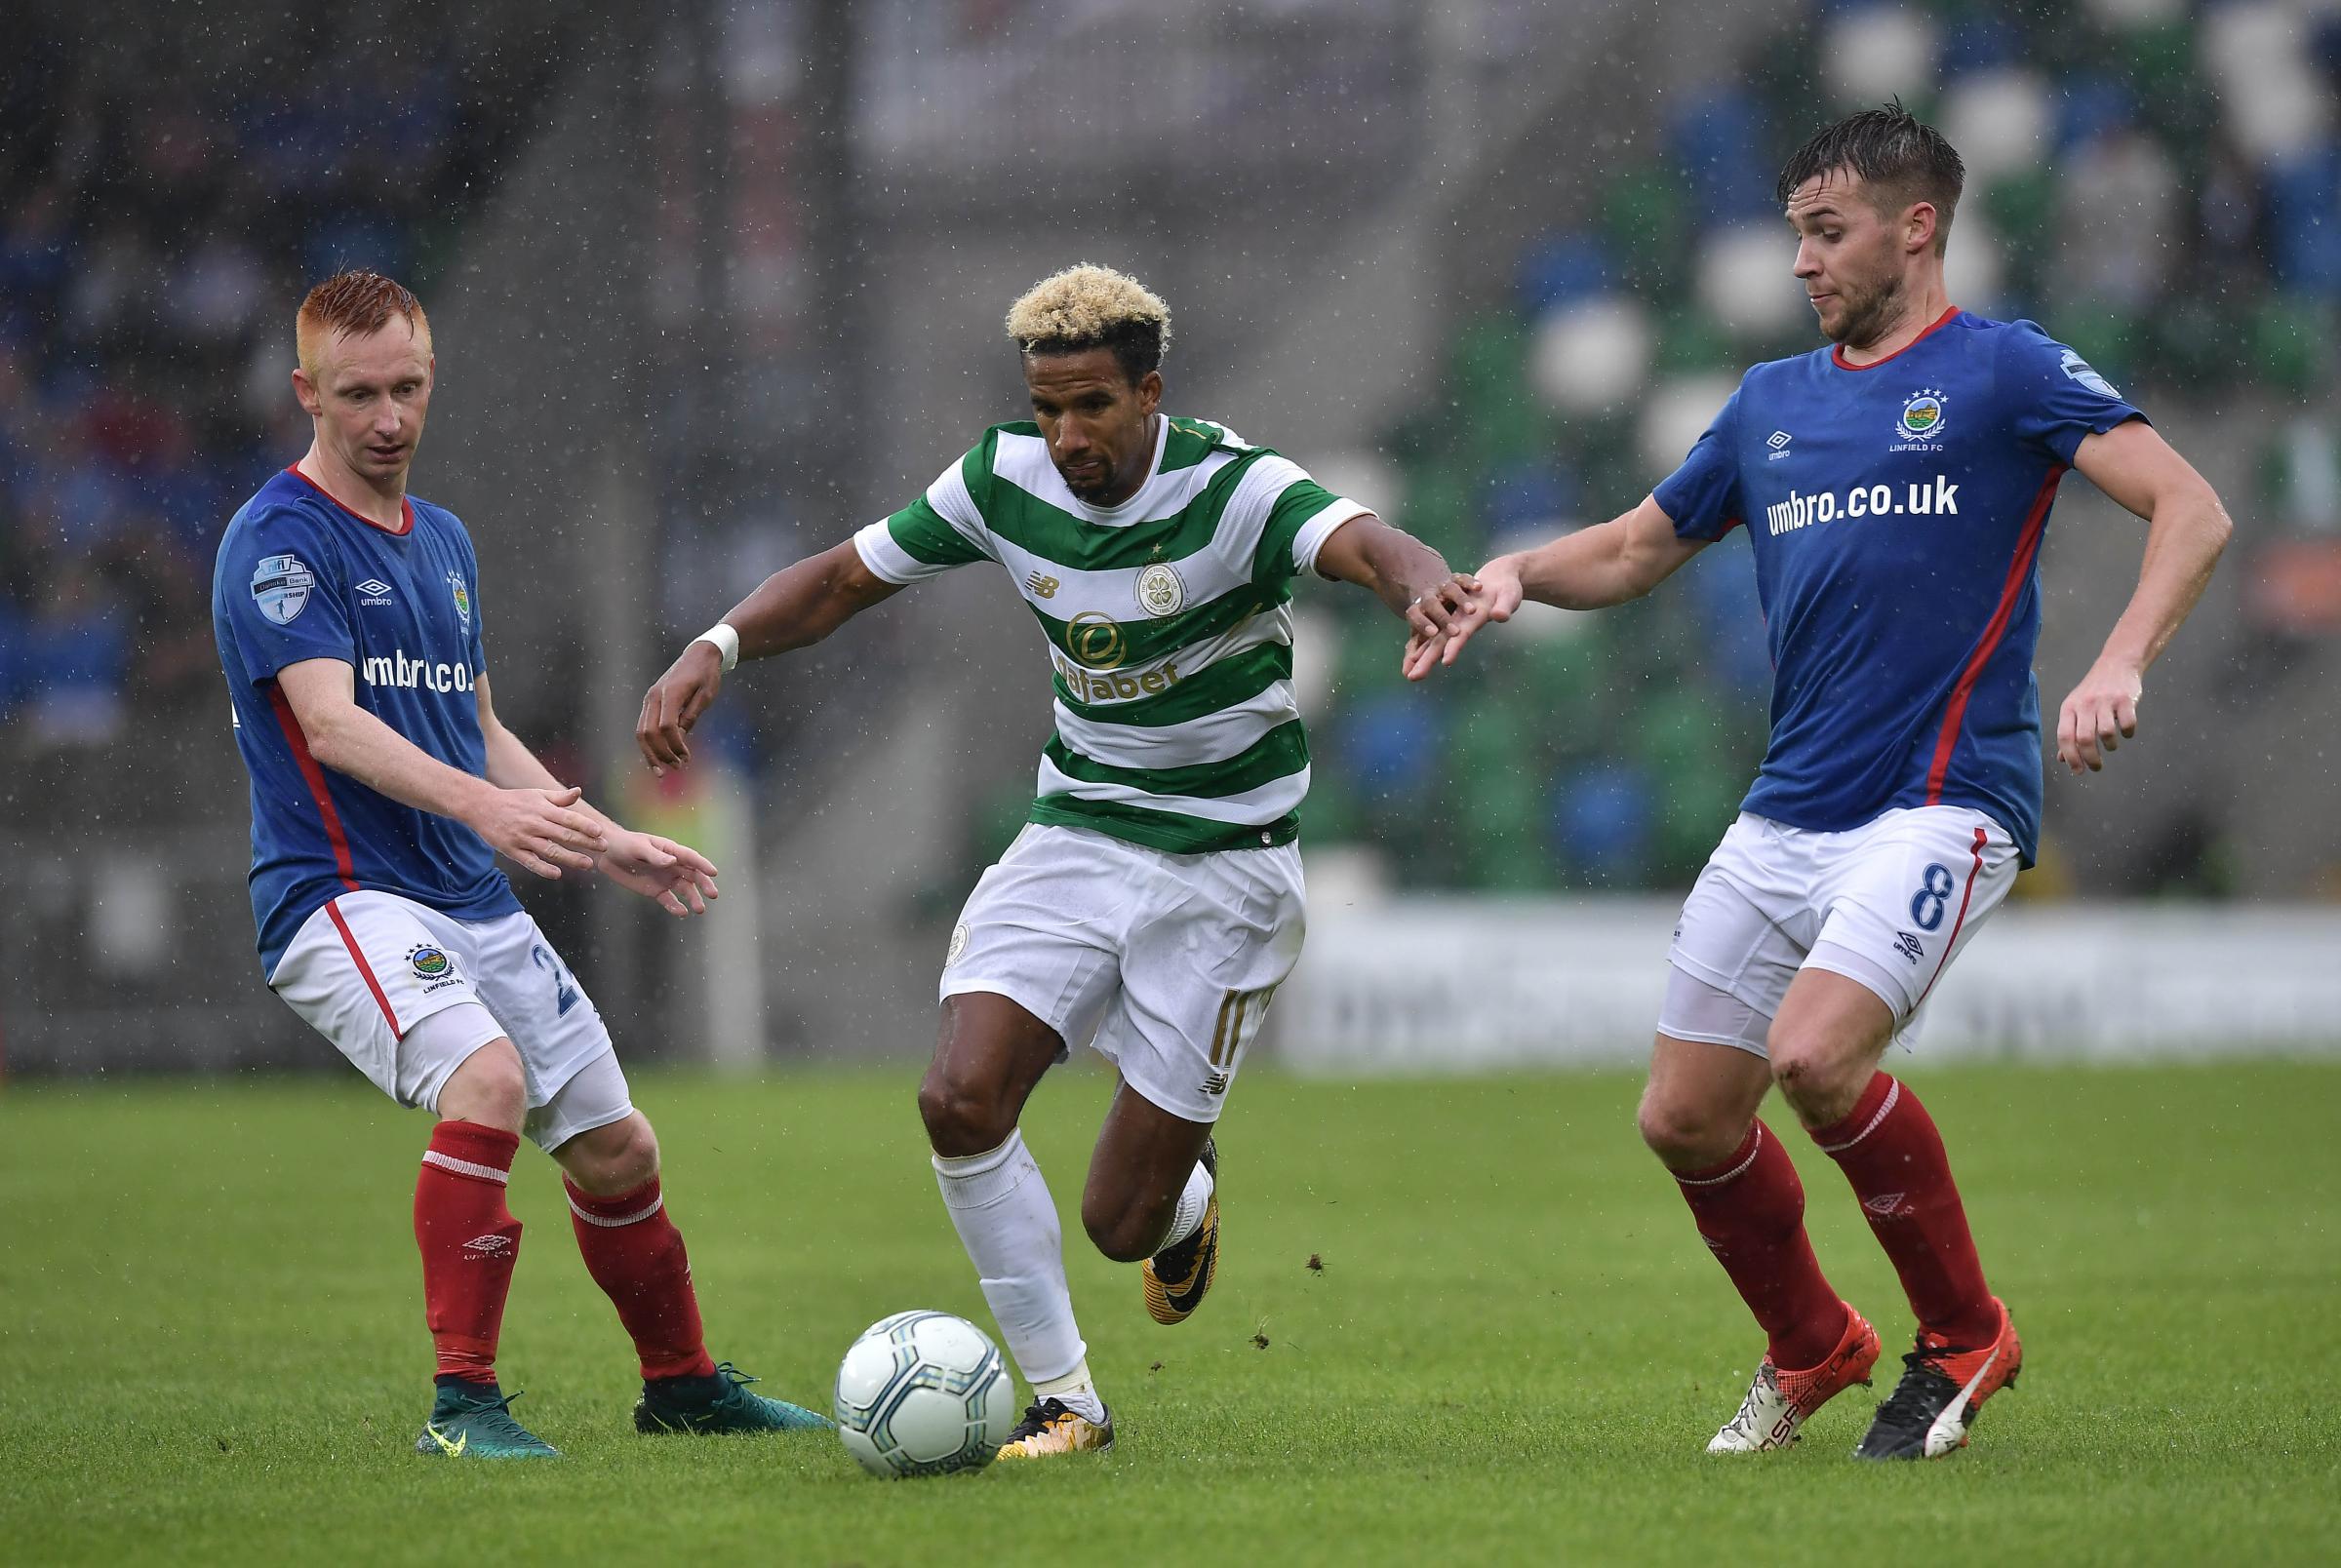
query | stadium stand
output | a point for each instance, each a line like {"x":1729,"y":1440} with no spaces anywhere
{"x":2163,"y":189}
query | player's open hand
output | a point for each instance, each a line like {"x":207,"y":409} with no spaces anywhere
{"x":674,"y":704}
{"x":2101,"y":713}
{"x":1491,"y":594}
{"x":537,"y":828}
{"x":675,"y":876}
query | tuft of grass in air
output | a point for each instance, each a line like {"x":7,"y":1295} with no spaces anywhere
{"x":1454,"y":1322}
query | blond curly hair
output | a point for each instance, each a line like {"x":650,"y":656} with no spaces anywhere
{"x":1089,"y":306}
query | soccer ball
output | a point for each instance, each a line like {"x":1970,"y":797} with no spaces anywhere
{"x":924,"y":1393}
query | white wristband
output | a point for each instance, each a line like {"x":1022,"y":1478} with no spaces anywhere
{"x":725,"y":641}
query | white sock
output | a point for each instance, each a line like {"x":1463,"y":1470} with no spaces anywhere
{"x":1187,"y":1218}
{"x":1075,"y":1391}
{"x":1008,"y":1221}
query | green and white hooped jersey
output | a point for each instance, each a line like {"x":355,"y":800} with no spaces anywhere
{"x":1168,"y":621}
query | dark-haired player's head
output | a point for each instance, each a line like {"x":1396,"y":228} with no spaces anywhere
{"x":365,"y":373}
{"x":1092,"y":343}
{"x":1870,"y":199}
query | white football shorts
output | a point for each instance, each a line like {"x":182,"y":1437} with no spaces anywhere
{"x":374,"y":972}
{"x":1888,"y":904}
{"x":1166,"y":963}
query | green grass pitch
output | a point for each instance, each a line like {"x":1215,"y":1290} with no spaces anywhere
{"x":212,"y":1349}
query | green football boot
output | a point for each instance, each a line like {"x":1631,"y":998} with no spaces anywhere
{"x":721,"y":1403}
{"x":474,"y":1420}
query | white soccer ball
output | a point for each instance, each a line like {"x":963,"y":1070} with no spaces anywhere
{"x":924,"y":1393}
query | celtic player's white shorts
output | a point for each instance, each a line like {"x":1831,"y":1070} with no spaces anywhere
{"x":408,"y":994}
{"x":1888,"y":904}
{"x":1165,"y":962}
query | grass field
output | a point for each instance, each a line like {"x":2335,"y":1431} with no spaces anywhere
{"x":210,"y":1344}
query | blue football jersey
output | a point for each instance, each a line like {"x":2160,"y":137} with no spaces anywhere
{"x":1896,"y":511}
{"x":300,"y":576}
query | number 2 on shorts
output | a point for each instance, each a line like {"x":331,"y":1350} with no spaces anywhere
{"x":566,"y":994}
{"x":1933,"y":897}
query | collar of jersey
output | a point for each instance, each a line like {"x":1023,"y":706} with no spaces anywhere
{"x":1128,"y":512}
{"x":1836,"y":352}
{"x":406,"y":507}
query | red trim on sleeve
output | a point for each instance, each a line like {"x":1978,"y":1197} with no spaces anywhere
{"x":1964,"y":899}
{"x":1955,"y":712}
{"x":375,"y":986}
{"x":1837,"y":355}
{"x":314,"y":773}
{"x":406,"y":507}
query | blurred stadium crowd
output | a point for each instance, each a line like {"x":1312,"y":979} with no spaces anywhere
{"x":2159,"y":183}
{"x":151,"y":238}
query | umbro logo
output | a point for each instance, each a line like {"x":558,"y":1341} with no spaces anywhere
{"x":1909,"y":946}
{"x":1885,"y":1205}
{"x":1778,"y":441}
{"x":374,"y":591}
{"x":491,"y":1245}
{"x":1041,"y":586}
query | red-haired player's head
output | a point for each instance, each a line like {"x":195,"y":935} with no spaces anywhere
{"x":364,"y":376}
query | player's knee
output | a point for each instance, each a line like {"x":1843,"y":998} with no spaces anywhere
{"x":962,"y":1117}
{"x":610,"y":1159}
{"x":1686,"y":1136}
{"x":488,"y":1087}
{"x":1812,"y":1079}
{"x":1123,"y":1232}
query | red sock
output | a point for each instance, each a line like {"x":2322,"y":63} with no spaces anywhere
{"x":635,"y":1254}
{"x":1890,"y":1151}
{"x":1750,"y":1210}
{"x":469,"y":1241}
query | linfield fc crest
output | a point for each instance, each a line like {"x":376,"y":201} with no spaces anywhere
{"x":280,"y":587}
{"x":1923,"y":416}
{"x":958,"y":945}
{"x":1160,"y":591}
{"x":462,"y":597}
{"x":429,"y":962}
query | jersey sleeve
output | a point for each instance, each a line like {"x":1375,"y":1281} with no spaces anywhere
{"x":1702,"y":497}
{"x":281,"y":582}
{"x":475,"y":637}
{"x":2057,"y":401}
{"x":940,"y":529}
{"x":1301,"y":515}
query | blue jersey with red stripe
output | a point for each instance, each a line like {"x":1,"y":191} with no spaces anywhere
{"x":1896,"y":511}
{"x":300,"y":576}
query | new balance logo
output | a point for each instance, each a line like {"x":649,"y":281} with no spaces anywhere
{"x":1041,"y":586}
{"x":491,"y":1245}
{"x":1885,"y":1205}
{"x":1216,"y":1083}
{"x":374,"y":591}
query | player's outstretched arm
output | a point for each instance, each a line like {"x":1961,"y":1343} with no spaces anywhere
{"x":1400,"y":570}
{"x":2187,"y":530}
{"x":541,"y":828}
{"x":1592,"y":569}
{"x":675,"y":876}
{"x":793,"y":608}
